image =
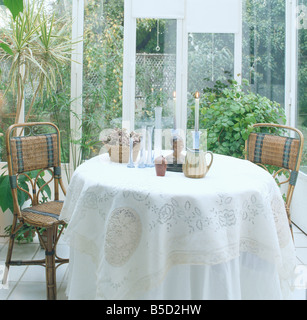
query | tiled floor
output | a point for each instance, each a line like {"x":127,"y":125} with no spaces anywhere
{"x":28,"y":282}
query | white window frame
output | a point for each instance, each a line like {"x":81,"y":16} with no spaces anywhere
{"x":183,"y":28}
{"x":129,"y":61}
{"x":76,"y":80}
{"x":291,"y":64}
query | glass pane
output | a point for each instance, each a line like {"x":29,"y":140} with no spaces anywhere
{"x":263,"y":62}
{"x":302,"y":76}
{"x":210,"y":59}
{"x":53,"y":107}
{"x":155,"y":81}
{"x":102,"y":71}
{"x":7,"y":106}
{"x":8,"y":101}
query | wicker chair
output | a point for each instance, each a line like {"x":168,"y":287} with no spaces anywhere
{"x":36,"y":146}
{"x":279,"y":151}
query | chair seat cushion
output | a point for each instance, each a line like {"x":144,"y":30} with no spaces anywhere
{"x":43,"y":215}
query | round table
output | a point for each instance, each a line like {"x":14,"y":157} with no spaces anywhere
{"x":134,"y":235}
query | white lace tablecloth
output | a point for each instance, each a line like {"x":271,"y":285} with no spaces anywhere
{"x":135,"y":235}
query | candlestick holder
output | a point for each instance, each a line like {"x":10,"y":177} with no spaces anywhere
{"x":176,"y":159}
{"x":196,"y":139}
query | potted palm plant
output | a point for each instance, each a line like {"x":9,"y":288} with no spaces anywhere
{"x":35,"y":45}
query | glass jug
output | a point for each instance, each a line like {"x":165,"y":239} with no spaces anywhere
{"x":195,"y":164}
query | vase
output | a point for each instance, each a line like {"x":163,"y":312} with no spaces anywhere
{"x":130,"y":163}
{"x":158,"y":132}
{"x":142,"y":151}
{"x":149,"y":161}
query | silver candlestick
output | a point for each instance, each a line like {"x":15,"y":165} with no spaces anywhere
{"x":149,"y":161}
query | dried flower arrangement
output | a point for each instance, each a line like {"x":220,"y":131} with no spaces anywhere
{"x":121,"y":137}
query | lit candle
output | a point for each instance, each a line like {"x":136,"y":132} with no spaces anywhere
{"x":196,"y":111}
{"x":175,"y":108}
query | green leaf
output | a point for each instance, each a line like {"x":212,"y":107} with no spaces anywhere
{"x":46,"y":188}
{"x":6,"y":48}
{"x":244,"y":135}
{"x":15,"y":6}
{"x":6,"y":199}
{"x":237,"y":136}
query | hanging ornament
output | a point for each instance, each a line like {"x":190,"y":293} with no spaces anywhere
{"x":158,"y":36}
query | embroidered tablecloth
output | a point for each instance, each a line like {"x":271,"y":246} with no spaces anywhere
{"x":134,"y":226}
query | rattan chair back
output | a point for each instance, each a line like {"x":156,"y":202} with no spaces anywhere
{"x":283,"y":152}
{"x":30,"y":147}
{"x":34,"y":152}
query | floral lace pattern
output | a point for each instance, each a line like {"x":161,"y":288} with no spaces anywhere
{"x":122,"y":236}
{"x":137,"y":226}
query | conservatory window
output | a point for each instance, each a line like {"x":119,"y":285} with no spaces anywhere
{"x":198,"y":39}
{"x":195,"y":39}
{"x":54,"y":107}
{"x":155,"y":71}
{"x":301,"y":29}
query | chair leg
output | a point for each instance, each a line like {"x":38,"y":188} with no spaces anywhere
{"x":8,"y":260}
{"x":9,"y":251}
{"x":289,"y":220}
{"x":50,"y":265}
{"x":291,"y":230}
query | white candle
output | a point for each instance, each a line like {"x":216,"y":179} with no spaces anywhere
{"x":196,"y":111}
{"x":175,"y":108}
{"x":158,"y":131}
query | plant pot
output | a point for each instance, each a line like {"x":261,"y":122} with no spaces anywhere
{"x":121,"y":153}
{"x":160,"y":165}
{"x":6,"y":219}
{"x":25,"y":237}
{"x":44,"y":238}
